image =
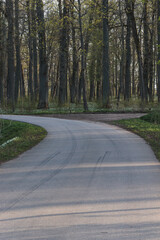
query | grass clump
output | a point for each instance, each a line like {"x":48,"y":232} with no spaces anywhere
{"x":17,"y":137}
{"x":153,"y":117}
{"x":148,"y":130}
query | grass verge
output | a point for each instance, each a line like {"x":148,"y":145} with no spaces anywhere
{"x":148,"y":130}
{"x":17,"y":137}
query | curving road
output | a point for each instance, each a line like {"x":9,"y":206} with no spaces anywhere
{"x":84,"y":181}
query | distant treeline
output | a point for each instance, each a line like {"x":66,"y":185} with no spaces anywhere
{"x":79,"y":50}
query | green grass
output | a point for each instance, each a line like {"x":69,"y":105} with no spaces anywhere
{"x":25,"y":136}
{"x":148,"y":130}
{"x":153,"y":117}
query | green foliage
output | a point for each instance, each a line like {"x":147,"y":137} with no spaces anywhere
{"x":146,"y":129}
{"x":25,"y":135}
{"x":153,"y":117}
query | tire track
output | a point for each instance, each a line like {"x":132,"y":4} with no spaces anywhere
{"x":43,"y":181}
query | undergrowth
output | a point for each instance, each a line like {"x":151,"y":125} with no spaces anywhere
{"x":134,"y":105}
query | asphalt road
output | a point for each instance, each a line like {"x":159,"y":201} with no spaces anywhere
{"x":84,"y":181}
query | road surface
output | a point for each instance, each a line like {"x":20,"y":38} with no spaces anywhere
{"x":84,"y":181}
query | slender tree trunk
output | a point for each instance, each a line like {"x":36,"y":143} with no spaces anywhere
{"x":18,"y":73}
{"x":122,"y":61}
{"x":133,"y":71}
{"x":22,"y":83}
{"x":34,"y":38}
{"x":10,"y":51}
{"x":146,"y":50}
{"x":1,"y":78}
{"x":151,"y":56}
{"x":63,"y":55}
{"x":105,"y":72}
{"x":155,"y":54}
{"x":98,"y":75}
{"x":86,"y":41}
{"x":1,"y":58}
{"x":82,"y":58}
{"x":151,"y":70}
{"x":30,"y":46}
{"x":116,"y":67}
{"x":80,"y":87}
{"x":74,"y":79}
{"x":128,"y":61}
{"x":92,"y":81}
{"x":130,"y":13}
{"x":92,"y":75}
{"x":158,"y":62}
{"x":43,"y":65}
{"x":53,"y":74}
{"x":116,"y":75}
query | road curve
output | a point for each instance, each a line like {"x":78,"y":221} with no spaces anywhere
{"x":84,"y":181}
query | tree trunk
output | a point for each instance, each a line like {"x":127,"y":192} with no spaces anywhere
{"x":105,"y":72}
{"x":92,"y":76}
{"x":34,"y":39}
{"x":1,"y":59}
{"x":82,"y":58}
{"x":122,"y":61}
{"x":128,"y":61}
{"x":53,"y":74}
{"x":63,"y":55}
{"x":43,"y":65}
{"x":18,"y":73}
{"x":22,"y":88}
{"x":116,"y":76}
{"x":10,"y":52}
{"x":130,"y":13}
{"x":99,"y":75}
{"x":146,"y":50}
{"x":158,"y":60}
{"x":30,"y":46}
{"x":133,"y":71}
{"x":151,"y":56}
{"x":74,"y":78}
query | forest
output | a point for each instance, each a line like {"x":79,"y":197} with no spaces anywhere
{"x":79,"y":51}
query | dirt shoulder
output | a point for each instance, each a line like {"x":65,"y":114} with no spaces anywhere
{"x":96,"y":117}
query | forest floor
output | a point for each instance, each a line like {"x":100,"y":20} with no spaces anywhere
{"x":97,"y":117}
